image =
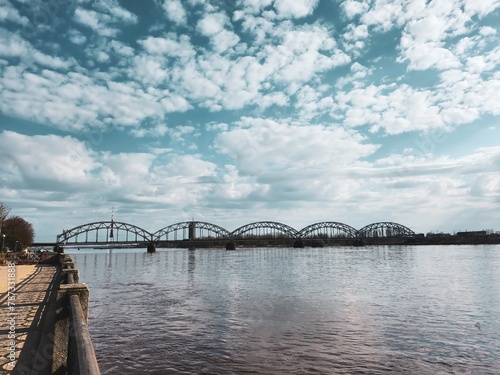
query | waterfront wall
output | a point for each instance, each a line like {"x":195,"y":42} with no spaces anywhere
{"x":73,"y":352}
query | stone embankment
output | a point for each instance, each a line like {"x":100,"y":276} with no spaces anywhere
{"x":43,"y":319}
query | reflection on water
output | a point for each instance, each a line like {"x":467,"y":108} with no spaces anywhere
{"x":374,"y":310}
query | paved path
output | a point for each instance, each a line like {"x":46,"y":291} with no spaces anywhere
{"x":22,"y":272}
{"x":31,"y":302}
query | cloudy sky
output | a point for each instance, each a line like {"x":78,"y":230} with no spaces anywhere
{"x":234,"y":111}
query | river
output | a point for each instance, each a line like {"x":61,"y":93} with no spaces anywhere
{"x":332,"y":310}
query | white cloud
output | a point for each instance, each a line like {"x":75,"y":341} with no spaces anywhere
{"x":353,"y":8}
{"x":270,"y":150}
{"x":255,"y":6}
{"x":36,"y":164}
{"x":427,"y":29}
{"x":396,"y":110}
{"x":428,"y":55}
{"x":106,"y":20}
{"x":175,"y":11}
{"x":295,"y":8}
{"x":96,"y":21}
{"x":481,"y":8}
{"x":46,"y":162}
{"x":172,"y":46}
{"x":224,"y":40}
{"x":311,"y":103}
{"x":76,"y":37}
{"x":13,"y":46}
{"x":117,"y":12}
{"x":179,"y":132}
{"x":157,"y":131}
{"x":150,"y":70}
{"x":121,"y":49}
{"x":384,"y":15}
{"x":75,"y":101}
{"x":174,"y":103}
{"x":486,"y":31}
{"x":213,"y":25}
{"x":9,"y":13}
{"x":123,"y":172}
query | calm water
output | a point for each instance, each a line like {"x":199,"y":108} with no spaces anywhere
{"x":373,"y":310}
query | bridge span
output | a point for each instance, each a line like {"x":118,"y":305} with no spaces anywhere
{"x":114,"y":234}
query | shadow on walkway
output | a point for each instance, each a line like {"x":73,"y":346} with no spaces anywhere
{"x":34,"y":317}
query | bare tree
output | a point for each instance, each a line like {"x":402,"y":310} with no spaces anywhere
{"x":4,"y":212}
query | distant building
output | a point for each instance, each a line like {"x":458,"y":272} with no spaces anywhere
{"x":432,"y":235}
{"x":472,"y":233}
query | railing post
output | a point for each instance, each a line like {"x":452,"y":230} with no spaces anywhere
{"x":62,"y":323}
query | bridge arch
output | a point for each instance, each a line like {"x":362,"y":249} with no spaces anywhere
{"x":328,"y":229}
{"x":265,"y":229}
{"x":191,"y":230}
{"x":105,"y":231}
{"x":385,"y":229}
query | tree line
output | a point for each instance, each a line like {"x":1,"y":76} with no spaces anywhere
{"x":16,"y":233}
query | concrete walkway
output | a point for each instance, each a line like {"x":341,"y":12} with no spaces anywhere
{"x":32,"y":318}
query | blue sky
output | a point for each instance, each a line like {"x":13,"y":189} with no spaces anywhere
{"x":233,"y":111}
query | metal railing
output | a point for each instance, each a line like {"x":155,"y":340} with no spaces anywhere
{"x":81,"y":351}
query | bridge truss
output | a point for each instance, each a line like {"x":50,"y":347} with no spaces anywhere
{"x":104,"y":232}
{"x":191,"y":230}
{"x":328,"y":229}
{"x":120,"y":232}
{"x":385,"y":230}
{"x":265,"y":229}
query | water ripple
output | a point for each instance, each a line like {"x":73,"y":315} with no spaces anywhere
{"x":380,"y":310}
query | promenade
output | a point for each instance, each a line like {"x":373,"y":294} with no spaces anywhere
{"x":30,"y":317}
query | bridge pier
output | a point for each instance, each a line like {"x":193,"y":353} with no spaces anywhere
{"x":298,"y":244}
{"x":151,"y":248}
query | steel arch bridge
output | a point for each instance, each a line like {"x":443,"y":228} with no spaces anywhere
{"x":105,"y":231}
{"x":328,"y":229}
{"x":385,"y":230}
{"x":120,"y":233}
{"x":191,"y":230}
{"x":265,"y":229}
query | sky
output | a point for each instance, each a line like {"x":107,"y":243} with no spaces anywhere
{"x":232,"y":111}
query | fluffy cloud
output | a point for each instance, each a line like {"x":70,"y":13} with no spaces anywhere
{"x":175,"y":11}
{"x":96,"y":21}
{"x":13,"y":46}
{"x":46,"y":162}
{"x":66,"y":171}
{"x":213,"y":25}
{"x":292,"y":160}
{"x":76,"y":101}
{"x":296,"y":8}
{"x":104,"y":19}
{"x":9,"y":13}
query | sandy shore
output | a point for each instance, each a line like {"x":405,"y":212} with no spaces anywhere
{"x":22,"y":272}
